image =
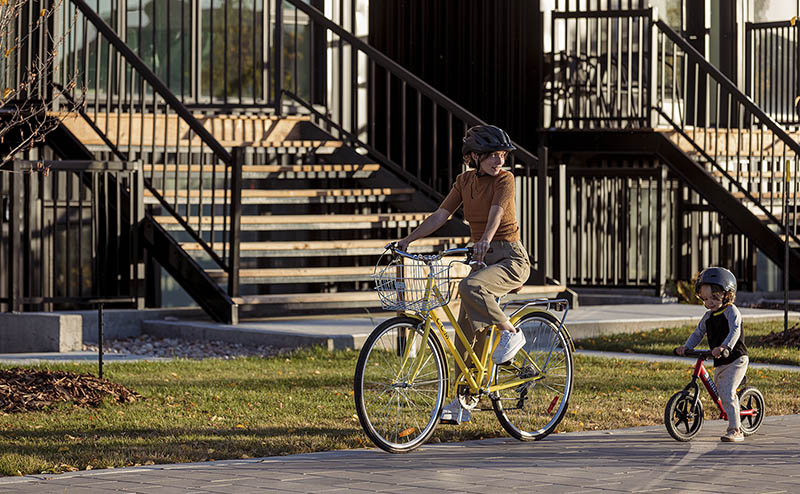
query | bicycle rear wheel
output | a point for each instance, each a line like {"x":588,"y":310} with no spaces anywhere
{"x":751,"y":401}
{"x":399,"y":413}
{"x":532,"y":410}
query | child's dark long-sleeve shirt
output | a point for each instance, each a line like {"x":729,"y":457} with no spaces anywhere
{"x":723,"y":328}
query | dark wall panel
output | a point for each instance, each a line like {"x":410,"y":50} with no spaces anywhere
{"x":483,"y":55}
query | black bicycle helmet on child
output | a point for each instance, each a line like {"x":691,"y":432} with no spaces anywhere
{"x":486,"y":139}
{"x":716,"y":276}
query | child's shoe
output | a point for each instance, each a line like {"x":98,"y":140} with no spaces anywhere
{"x":733,"y":436}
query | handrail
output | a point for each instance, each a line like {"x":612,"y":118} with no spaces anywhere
{"x":727,"y":175}
{"x":150,"y":77}
{"x":419,"y":184}
{"x":119,"y":73}
{"x":726,"y":83}
{"x":600,"y":14}
{"x":768,"y":25}
{"x":415,"y":82}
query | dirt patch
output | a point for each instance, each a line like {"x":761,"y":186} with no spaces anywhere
{"x":23,"y":390}
{"x":780,"y":338}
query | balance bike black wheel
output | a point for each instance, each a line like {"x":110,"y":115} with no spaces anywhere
{"x":751,"y":404}
{"x":683,"y":421}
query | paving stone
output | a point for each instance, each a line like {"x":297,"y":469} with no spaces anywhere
{"x":639,"y":460}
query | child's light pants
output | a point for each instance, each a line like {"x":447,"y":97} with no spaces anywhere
{"x":728,"y":377}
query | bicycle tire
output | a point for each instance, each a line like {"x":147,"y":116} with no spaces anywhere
{"x":533,"y":410}
{"x":682,"y":421}
{"x":399,"y":417}
{"x":751,"y":399}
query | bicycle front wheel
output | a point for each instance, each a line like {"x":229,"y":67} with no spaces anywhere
{"x":682,"y":419}
{"x":398,"y":393}
{"x":532,"y":410}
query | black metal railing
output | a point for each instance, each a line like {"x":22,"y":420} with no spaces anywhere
{"x":67,"y":235}
{"x":772,"y":69}
{"x":628,"y":69}
{"x":131,"y":114}
{"x":597,"y":73}
{"x":753,"y":156}
{"x":401,"y":121}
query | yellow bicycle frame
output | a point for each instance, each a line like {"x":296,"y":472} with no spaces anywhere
{"x":483,"y":368}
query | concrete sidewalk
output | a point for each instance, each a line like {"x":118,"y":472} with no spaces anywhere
{"x":641,"y":459}
{"x":337,"y":332}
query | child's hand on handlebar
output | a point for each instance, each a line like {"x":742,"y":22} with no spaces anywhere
{"x":680,"y":350}
{"x":719,"y":351}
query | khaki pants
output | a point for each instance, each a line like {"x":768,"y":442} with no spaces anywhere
{"x":507,"y":268}
{"x":728,"y":377}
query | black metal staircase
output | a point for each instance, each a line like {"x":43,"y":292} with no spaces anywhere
{"x":629,"y":85}
{"x":254,"y":211}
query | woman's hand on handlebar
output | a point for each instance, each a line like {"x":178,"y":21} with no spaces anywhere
{"x":479,"y":250}
{"x":680,"y":350}
{"x":402,"y":245}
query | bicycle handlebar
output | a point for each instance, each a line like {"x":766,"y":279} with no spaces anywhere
{"x":704,"y":354}
{"x":466,"y":251}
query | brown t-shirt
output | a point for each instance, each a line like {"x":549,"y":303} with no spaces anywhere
{"x":479,"y":194}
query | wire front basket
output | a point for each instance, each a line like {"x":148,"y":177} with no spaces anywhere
{"x":409,"y":284}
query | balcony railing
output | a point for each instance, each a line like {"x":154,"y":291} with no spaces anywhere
{"x":66,"y":235}
{"x":773,"y":69}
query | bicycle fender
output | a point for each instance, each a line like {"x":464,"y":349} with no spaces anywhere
{"x":531,"y":310}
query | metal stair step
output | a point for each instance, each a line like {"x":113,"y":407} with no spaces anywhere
{"x":303,"y":221}
{"x":304,"y":171}
{"x":329,"y":247}
{"x":296,"y":275}
{"x":254,"y":131}
{"x":286,"y":196}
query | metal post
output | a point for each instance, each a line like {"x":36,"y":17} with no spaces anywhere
{"x":652,"y":87}
{"x":277,"y":65}
{"x":560,"y":224}
{"x":100,"y":340}
{"x":661,"y":232}
{"x":236,"y":219}
{"x":542,"y":253}
{"x":16,"y":205}
{"x":786,"y":240}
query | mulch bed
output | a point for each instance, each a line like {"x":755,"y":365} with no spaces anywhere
{"x":24,"y":390}
{"x":779,"y":338}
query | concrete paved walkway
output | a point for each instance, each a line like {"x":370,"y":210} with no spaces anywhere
{"x":339,"y":332}
{"x":642,"y":459}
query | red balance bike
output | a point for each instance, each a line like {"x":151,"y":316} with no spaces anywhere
{"x":684,"y":413}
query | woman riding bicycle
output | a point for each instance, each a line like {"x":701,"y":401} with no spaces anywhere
{"x":487,"y":193}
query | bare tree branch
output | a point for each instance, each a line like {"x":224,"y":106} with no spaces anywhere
{"x":31,"y":103}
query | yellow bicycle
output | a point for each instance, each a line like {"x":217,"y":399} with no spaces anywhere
{"x":402,"y":375}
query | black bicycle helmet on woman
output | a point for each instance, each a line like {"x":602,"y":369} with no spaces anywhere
{"x":486,"y":139}
{"x":716,"y":276}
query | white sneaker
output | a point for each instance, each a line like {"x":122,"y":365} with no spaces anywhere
{"x":454,"y":413}
{"x":509,"y":345}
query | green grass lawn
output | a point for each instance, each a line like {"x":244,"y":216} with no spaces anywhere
{"x":196,"y":410}
{"x":662,"y":341}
